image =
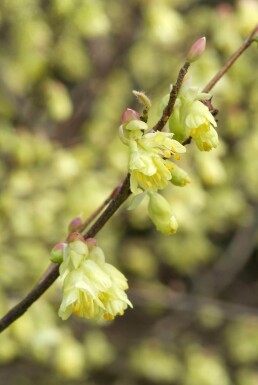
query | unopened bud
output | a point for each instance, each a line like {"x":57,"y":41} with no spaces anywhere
{"x":179,"y":176}
{"x":75,"y":224}
{"x":129,"y":115}
{"x":91,"y":243}
{"x":74,"y":237}
{"x":57,"y":253}
{"x":161,"y":214}
{"x":196,"y":50}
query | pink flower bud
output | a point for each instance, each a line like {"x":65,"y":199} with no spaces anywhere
{"x":74,"y":237}
{"x":75,"y":224}
{"x":91,"y":243}
{"x":129,"y":115}
{"x":57,"y":252}
{"x":196,"y":50}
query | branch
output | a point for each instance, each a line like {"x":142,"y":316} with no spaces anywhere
{"x":231,"y":60}
{"x":172,"y":99}
{"x":53,"y":271}
{"x":226,"y":67}
{"x":97,"y":212}
{"x":119,"y":195}
{"x":18,"y":310}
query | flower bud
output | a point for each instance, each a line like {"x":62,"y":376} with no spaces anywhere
{"x":161,"y":214}
{"x":91,"y":243}
{"x":196,"y":50}
{"x":75,"y":224}
{"x":129,"y":115}
{"x":75,"y":236}
{"x":179,"y":176}
{"x":57,"y":253}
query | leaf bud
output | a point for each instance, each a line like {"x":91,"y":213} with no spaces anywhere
{"x":143,"y":99}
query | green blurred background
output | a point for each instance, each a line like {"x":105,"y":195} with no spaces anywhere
{"x":67,"y":68}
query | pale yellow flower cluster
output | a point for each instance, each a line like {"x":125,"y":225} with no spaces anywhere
{"x":149,"y":157}
{"x":150,"y":153}
{"x":92,"y":288}
{"x":151,"y":167}
{"x":191,"y":117}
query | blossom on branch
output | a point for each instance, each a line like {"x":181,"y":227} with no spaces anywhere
{"x":92,"y":288}
{"x":192,"y":118}
{"x":148,"y":155}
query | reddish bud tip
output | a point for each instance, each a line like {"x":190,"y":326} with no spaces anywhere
{"x":75,"y":224}
{"x":57,"y":252}
{"x":60,"y":246}
{"x":129,"y":115}
{"x":74,"y":237}
{"x":196,"y":50}
{"x":91,"y":243}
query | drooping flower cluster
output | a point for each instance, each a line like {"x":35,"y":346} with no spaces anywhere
{"x":150,"y":155}
{"x":192,"y":118}
{"x":150,"y":152}
{"x":151,"y":167}
{"x":92,"y":288}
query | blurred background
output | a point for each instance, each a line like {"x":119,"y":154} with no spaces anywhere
{"x":67,"y":68}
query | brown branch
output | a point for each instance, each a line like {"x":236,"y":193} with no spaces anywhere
{"x":231,"y":60}
{"x":123,"y":194}
{"x":19,"y":309}
{"x":53,"y":271}
{"x":172,"y":99}
{"x":228,"y":65}
{"x":97,"y":212}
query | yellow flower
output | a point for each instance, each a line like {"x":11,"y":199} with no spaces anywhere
{"x":192,"y":118}
{"x":92,"y":288}
{"x":205,"y":136}
{"x":161,"y":214}
{"x":148,"y":172}
{"x":148,"y":164}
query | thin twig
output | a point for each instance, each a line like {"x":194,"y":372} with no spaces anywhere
{"x":123,"y":194}
{"x":172,"y":99}
{"x":231,"y":60}
{"x":53,"y":270}
{"x":249,"y":40}
{"x":97,"y":212}
{"x":18,"y":310}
